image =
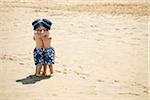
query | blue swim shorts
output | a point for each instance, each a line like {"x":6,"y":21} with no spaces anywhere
{"x":49,"y":55}
{"x":38,"y":56}
{"x":44,"y":56}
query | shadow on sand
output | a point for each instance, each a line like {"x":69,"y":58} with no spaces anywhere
{"x":32,"y":79}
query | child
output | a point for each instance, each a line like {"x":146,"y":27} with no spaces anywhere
{"x":44,"y":54}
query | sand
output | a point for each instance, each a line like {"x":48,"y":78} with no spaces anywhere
{"x":101,"y":50}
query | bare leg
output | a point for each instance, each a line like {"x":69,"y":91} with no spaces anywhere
{"x":51,"y":69}
{"x":44,"y":69}
{"x":38,"y":69}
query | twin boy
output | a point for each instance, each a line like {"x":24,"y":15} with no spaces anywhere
{"x":44,"y":54}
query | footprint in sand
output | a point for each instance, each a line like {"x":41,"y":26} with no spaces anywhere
{"x":145,"y":35}
{"x":145,"y":89}
{"x":100,"y":34}
{"x":129,"y":93}
{"x":116,"y":81}
{"x":77,"y":72}
{"x":125,"y":28}
{"x":93,"y":25}
{"x":54,"y":94}
{"x":7,"y":57}
{"x":117,"y":29}
{"x":99,"y":40}
{"x":136,"y":94}
{"x":64,"y":65}
{"x":63,"y":72}
{"x":11,"y":58}
{"x":134,"y":28}
{"x":81,"y":75}
{"x":2,"y":57}
{"x":100,"y":80}
{"x":58,"y":71}
{"x":21,"y":63}
{"x":72,"y":24}
{"x":80,"y":67}
{"x":129,"y":33}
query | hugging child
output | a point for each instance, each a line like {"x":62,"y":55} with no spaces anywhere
{"x":44,"y":54}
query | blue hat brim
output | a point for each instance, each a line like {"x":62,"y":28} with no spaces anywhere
{"x":42,"y":22}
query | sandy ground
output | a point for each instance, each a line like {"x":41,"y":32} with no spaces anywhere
{"x":101,"y":50}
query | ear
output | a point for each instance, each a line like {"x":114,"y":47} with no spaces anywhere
{"x":33,"y":38}
{"x":35,"y":32}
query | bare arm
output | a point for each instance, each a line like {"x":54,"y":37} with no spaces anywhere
{"x":46,"y":36}
{"x":38,"y":41}
{"x":47,"y":40}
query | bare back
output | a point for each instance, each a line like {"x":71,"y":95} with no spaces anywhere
{"x":46,"y":42}
{"x":38,"y":41}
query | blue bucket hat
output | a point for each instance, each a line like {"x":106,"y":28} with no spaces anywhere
{"x":41,"y":22}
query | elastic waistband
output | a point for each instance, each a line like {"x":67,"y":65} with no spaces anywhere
{"x":48,"y":48}
{"x":44,"y":48}
{"x":38,"y":48}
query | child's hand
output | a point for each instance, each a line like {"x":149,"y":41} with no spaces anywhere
{"x":46,"y":35}
{"x":37,"y":36}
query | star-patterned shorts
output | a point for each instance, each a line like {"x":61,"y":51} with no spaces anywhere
{"x":49,"y":55}
{"x":44,"y":56}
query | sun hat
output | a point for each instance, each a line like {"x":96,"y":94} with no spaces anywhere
{"x":41,"y":22}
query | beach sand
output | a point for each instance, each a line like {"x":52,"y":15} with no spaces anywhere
{"x":101,"y":50}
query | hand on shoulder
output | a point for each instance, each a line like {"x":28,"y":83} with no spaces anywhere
{"x":46,"y":36}
{"x":37,"y":36}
